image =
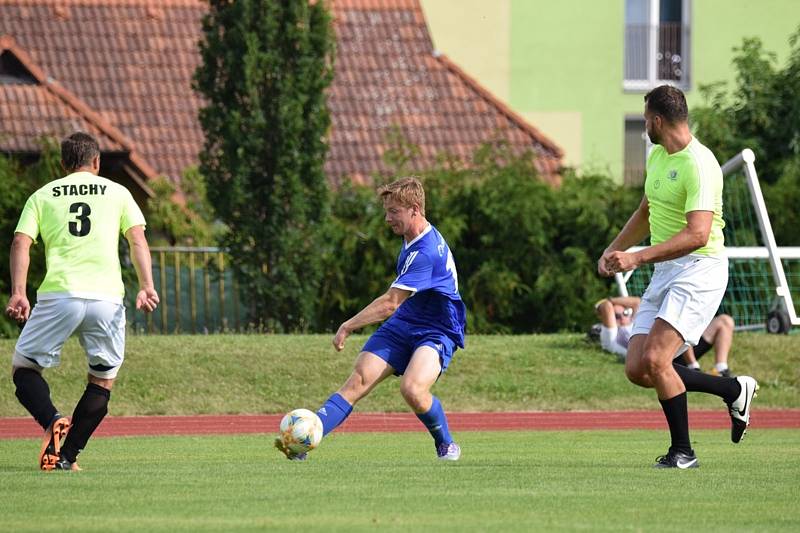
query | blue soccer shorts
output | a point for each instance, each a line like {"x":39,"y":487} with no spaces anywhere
{"x":396,"y":341}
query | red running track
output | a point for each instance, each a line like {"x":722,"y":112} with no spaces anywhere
{"x":11,"y":428}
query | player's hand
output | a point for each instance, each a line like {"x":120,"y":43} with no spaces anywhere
{"x":18,"y":308}
{"x":620,"y":261}
{"x":340,"y":337}
{"x":602,"y":265}
{"x":147,"y":300}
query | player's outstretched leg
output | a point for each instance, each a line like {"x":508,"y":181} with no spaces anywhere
{"x":739,"y":408}
{"x":737,"y":393}
{"x":334,"y":412}
{"x":436,"y":422}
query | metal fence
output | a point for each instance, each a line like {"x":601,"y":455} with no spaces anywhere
{"x":198,"y":294}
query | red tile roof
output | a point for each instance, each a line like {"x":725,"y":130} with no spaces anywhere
{"x":132,"y":61}
{"x":29,"y":111}
{"x":387,"y":74}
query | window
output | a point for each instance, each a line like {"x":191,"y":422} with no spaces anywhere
{"x":12,"y":72}
{"x":637,"y":146}
{"x":656,"y":43}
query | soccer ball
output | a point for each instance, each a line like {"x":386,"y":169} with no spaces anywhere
{"x":301,"y":430}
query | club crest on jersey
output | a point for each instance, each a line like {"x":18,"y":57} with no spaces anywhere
{"x":673,"y":175}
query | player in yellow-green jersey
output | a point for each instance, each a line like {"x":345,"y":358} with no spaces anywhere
{"x":79,"y":218}
{"x":681,"y":211}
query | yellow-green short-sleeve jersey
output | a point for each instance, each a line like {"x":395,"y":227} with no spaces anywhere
{"x":80,"y":218}
{"x":688,"y":180}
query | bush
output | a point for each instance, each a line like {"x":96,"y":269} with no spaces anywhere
{"x":525,"y":251}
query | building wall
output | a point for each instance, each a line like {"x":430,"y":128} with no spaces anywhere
{"x":559,"y":63}
{"x":566,"y":60}
{"x":474,"y":34}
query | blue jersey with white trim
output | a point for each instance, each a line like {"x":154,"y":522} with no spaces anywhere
{"x":426,"y":267}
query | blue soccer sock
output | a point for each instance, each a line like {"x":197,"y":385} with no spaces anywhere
{"x":334,"y":412}
{"x":436,"y":422}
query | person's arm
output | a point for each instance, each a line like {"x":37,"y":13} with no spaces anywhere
{"x":634,"y":231}
{"x":626,"y":301}
{"x":18,"y":307}
{"x":693,"y":236}
{"x":147,"y":297}
{"x":378,"y":310}
{"x":605,"y":312}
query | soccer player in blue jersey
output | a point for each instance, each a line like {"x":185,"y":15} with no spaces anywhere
{"x":426,"y":323}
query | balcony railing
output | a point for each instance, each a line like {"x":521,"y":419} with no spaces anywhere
{"x":655,"y":54}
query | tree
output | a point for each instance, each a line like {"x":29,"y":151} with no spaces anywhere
{"x":761,"y":112}
{"x":18,"y":182}
{"x":265,"y":67}
{"x":182,"y":218}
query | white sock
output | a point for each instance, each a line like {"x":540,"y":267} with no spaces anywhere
{"x":721,"y":367}
{"x":694,"y":366}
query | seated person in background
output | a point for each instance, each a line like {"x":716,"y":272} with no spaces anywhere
{"x":718,"y":335}
{"x":616,"y":321}
{"x":616,"y":318}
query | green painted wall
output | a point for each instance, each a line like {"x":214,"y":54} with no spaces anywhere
{"x":559,"y":63}
{"x":721,"y":25}
{"x":478,"y":39}
{"x":568,"y":56}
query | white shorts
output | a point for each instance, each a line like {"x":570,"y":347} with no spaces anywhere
{"x":100,"y":326}
{"x":686,"y":293}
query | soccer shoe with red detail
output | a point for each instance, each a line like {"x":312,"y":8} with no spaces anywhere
{"x":739,"y":409}
{"x":448,"y":451}
{"x":51,"y":443}
{"x":292,"y":456}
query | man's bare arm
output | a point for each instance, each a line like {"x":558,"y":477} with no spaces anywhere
{"x":378,"y":310}
{"x":147,"y":297}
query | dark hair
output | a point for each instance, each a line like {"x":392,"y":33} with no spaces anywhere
{"x":78,"y":150}
{"x":669,"y":102}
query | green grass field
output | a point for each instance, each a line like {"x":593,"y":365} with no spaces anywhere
{"x":273,"y":373}
{"x":515,"y":481}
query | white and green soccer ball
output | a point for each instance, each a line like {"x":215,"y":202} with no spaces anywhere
{"x":301,"y":430}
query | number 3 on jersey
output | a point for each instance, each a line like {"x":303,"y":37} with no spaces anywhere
{"x":81,"y":225}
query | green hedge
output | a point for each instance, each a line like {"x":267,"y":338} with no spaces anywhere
{"x":525,"y":251}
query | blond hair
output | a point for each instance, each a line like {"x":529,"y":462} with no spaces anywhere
{"x":407,"y":192}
